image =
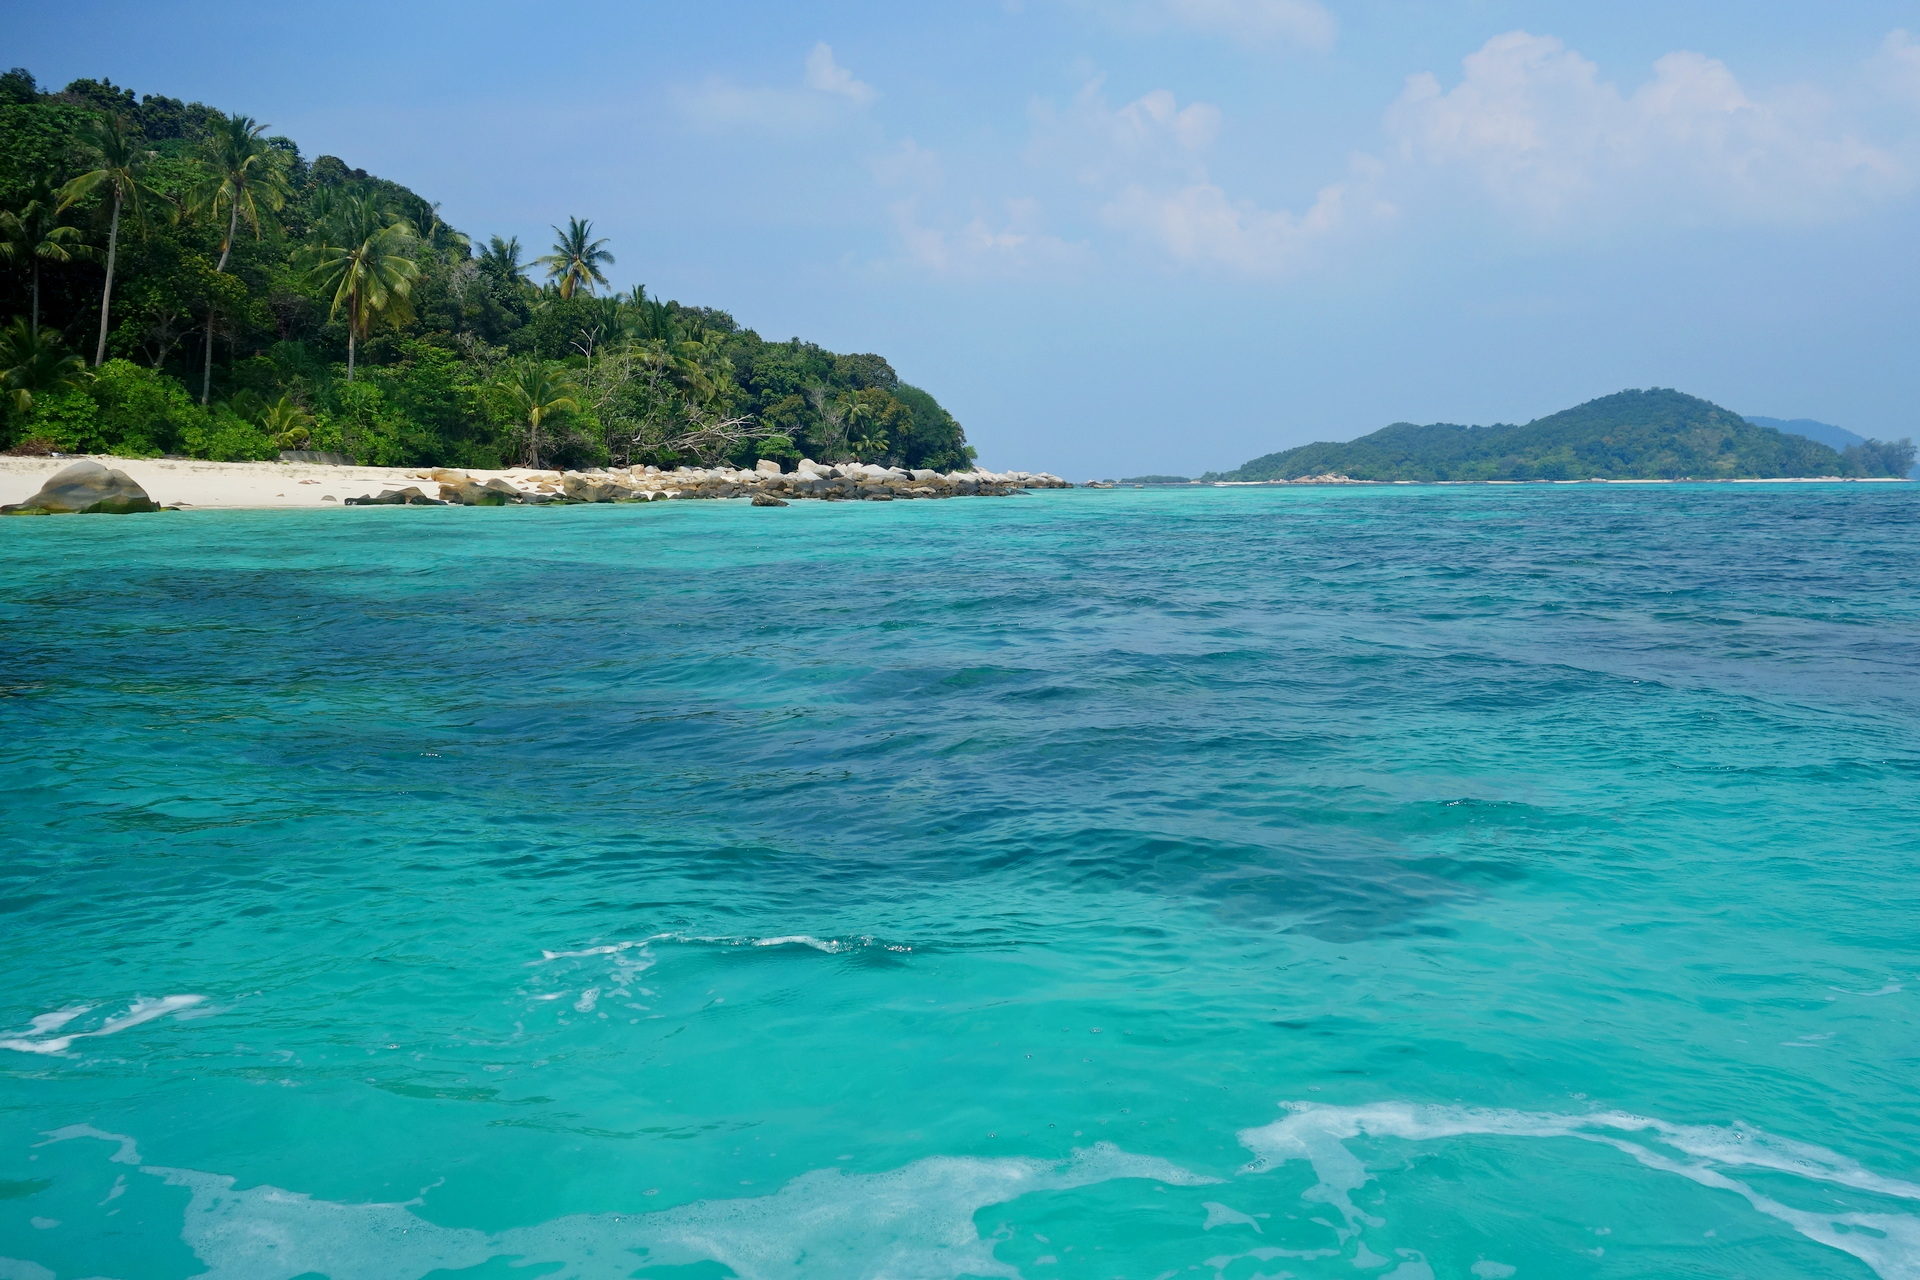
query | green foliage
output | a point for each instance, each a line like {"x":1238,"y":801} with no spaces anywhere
{"x":779,"y":447}
{"x":577,"y":258}
{"x":224,"y":436}
{"x":1631,"y":435}
{"x":68,"y":418}
{"x":1879,"y":458}
{"x":34,"y":363}
{"x":359,"y":420}
{"x":365,"y":265}
{"x":295,"y":296}
{"x":140,"y":412}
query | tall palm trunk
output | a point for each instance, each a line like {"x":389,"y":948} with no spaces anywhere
{"x":106,"y":292}
{"x":353,"y":328}
{"x":226,"y":248}
{"x":34,"y":324}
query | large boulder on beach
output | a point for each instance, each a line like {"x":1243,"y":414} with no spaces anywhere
{"x":86,"y":488}
{"x":463,"y":491}
{"x":585,"y":488}
{"x":411,"y":496}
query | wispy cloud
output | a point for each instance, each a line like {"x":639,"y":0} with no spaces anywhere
{"x":1147,"y":165}
{"x":1305,"y":23}
{"x":1898,"y":63}
{"x":1203,"y":226}
{"x":1008,"y":240}
{"x":1094,"y":141}
{"x":825,"y":75}
{"x":827,"y":94}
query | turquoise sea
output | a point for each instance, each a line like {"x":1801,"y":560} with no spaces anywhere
{"x":1408,"y":882}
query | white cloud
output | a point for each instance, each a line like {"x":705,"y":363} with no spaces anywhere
{"x":907,"y":164}
{"x":1534,"y":126}
{"x":1147,"y":163}
{"x":1011,"y":242}
{"x":1201,"y":225}
{"x":826,"y":93}
{"x":1529,"y":136}
{"x":825,"y":75}
{"x":1898,"y":63}
{"x":1301,"y":22}
{"x":1095,"y":142}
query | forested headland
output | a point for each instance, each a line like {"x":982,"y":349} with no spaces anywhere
{"x":178,"y":280}
{"x":1658,"y":434}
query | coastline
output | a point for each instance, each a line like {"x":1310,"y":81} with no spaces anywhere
{"x":193,"y":484}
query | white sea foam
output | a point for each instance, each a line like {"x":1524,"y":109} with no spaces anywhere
{"x":828,"y":946}
{"x":915,"y":1221}
{"x":138,"y":1012}
{"x":1889,"y":1243}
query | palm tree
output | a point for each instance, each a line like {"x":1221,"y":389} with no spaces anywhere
{"x":121,"y":170}
{"x":32,"y":362}
{"x":651,"y":317}
{"x":577,"y":258}
{"x":33,"y":234}
{"x":531,"y":387}
{"x":287,"y":422}
{"x":857,"y":411}
{"x":243,"y":175}
{"x":501,"y":260}
{"x":365,"y":260}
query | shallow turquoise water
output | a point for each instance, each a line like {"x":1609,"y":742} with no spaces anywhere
{"x":1415,"y":882}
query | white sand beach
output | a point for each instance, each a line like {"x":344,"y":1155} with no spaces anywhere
{"x":185,"y":482}
{"x":189,"y":484}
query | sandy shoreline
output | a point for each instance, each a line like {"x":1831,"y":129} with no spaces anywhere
{"x":189,"y":483}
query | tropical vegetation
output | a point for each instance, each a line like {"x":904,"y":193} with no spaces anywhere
{"x":1657,"y":434}
{"x":237,"y":298}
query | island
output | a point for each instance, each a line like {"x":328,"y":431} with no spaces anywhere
{"x":1656,"y":434}
{"x":184,"y":282}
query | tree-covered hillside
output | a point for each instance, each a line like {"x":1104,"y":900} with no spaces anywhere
{"x":1833,"y":437}
{"x":1631,"y":435}
{"x":174,"y":279}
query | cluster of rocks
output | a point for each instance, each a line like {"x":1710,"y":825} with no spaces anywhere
{"x":766,"y":484}
{"x":85,"y":488}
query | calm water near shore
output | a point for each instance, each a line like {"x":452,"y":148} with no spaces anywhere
{"x":1410,"y":882}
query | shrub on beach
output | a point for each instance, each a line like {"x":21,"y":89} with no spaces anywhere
{"x":224,"y":436}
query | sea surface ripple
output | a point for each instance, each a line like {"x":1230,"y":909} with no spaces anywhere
{"x":1411,"y":882}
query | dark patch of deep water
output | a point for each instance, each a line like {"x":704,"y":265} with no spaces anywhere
{"x":959,"y":888}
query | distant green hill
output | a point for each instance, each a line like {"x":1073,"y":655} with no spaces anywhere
{"x":1825,"y":432}
{"x":1632,"y":435}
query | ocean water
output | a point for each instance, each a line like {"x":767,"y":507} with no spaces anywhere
{"x":1413,"y":882}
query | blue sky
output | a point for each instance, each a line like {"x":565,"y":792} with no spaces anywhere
{"x":1117,"y":236}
